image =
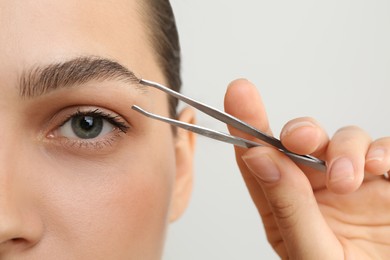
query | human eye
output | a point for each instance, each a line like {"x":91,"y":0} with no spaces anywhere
{"x":89,"y":128}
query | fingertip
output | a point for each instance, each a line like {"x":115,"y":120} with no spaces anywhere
{"x":346,"y":154}
{"x":239,"y":92}
{"x":303,"y":136}
{"x":378,"y":158}
{"x":275,"y":170}
{"x":344,"y":175}
{"x":239,"y":82}
{"x":260,"y":162}
{"x":243,"y":101}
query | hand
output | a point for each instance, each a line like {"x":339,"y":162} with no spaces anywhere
{"x":341,"y":214}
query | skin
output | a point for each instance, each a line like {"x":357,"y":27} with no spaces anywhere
{"x":308,"y":214}
{"x":61,"y":198}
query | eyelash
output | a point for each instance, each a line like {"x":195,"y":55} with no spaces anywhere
{"x":114,"y":120}
{"x":120,"y":127}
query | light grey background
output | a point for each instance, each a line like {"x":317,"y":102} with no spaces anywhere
{"x":325,"y":59}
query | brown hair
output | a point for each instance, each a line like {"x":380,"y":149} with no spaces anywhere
{"x":165,"y":41}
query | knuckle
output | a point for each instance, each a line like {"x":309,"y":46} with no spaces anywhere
{"x":285,"y":211}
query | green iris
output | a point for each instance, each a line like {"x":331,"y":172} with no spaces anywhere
{"x":87,"y":127}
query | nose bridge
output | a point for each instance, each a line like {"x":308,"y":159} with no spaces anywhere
{"x":10,"y":212}
{"x":9,"y":152}
{"x":18,"y":222}
{"x":9,"y":208}
{"x":9,"y":219}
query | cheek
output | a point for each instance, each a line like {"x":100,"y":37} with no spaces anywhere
{"x":115,"y":204}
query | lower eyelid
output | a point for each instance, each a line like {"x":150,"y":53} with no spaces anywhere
{"x":102,"y":145}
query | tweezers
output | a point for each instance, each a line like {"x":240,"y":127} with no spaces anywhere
{"x":228,"y":119}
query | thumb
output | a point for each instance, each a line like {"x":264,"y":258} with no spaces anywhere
{"x":302,"y":228}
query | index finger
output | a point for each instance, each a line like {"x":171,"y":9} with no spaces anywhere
{"x":243,"y":101}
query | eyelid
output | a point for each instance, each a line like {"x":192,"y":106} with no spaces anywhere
{"x":65,"y":114}
{"x":106,"y":142}
{"x":112,"y":118}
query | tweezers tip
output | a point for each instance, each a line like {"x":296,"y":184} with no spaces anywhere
{"x":135,"y":107}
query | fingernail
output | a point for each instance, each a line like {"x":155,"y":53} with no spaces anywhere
{"x":295,"y":126}
{"x":377,"y":154}
{"x":263,"y":167}
{"x":342,"y":170}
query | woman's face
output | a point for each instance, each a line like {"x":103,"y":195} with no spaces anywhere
{"x":82,"y":175}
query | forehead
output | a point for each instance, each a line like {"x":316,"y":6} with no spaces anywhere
{"x":43,"y":31}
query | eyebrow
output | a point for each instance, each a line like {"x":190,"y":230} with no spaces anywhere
{"x":40,"y":80}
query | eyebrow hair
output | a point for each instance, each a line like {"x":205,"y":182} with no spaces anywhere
{"x":40,"y":80}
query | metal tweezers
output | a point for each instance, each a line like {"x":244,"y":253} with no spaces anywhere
{"x":308,"y":160}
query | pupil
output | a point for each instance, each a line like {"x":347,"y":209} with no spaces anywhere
{"x":86,"y":123}
{"x":87,"y":127}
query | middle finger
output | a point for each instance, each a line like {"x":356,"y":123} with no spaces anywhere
{"x":345,"y":157}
